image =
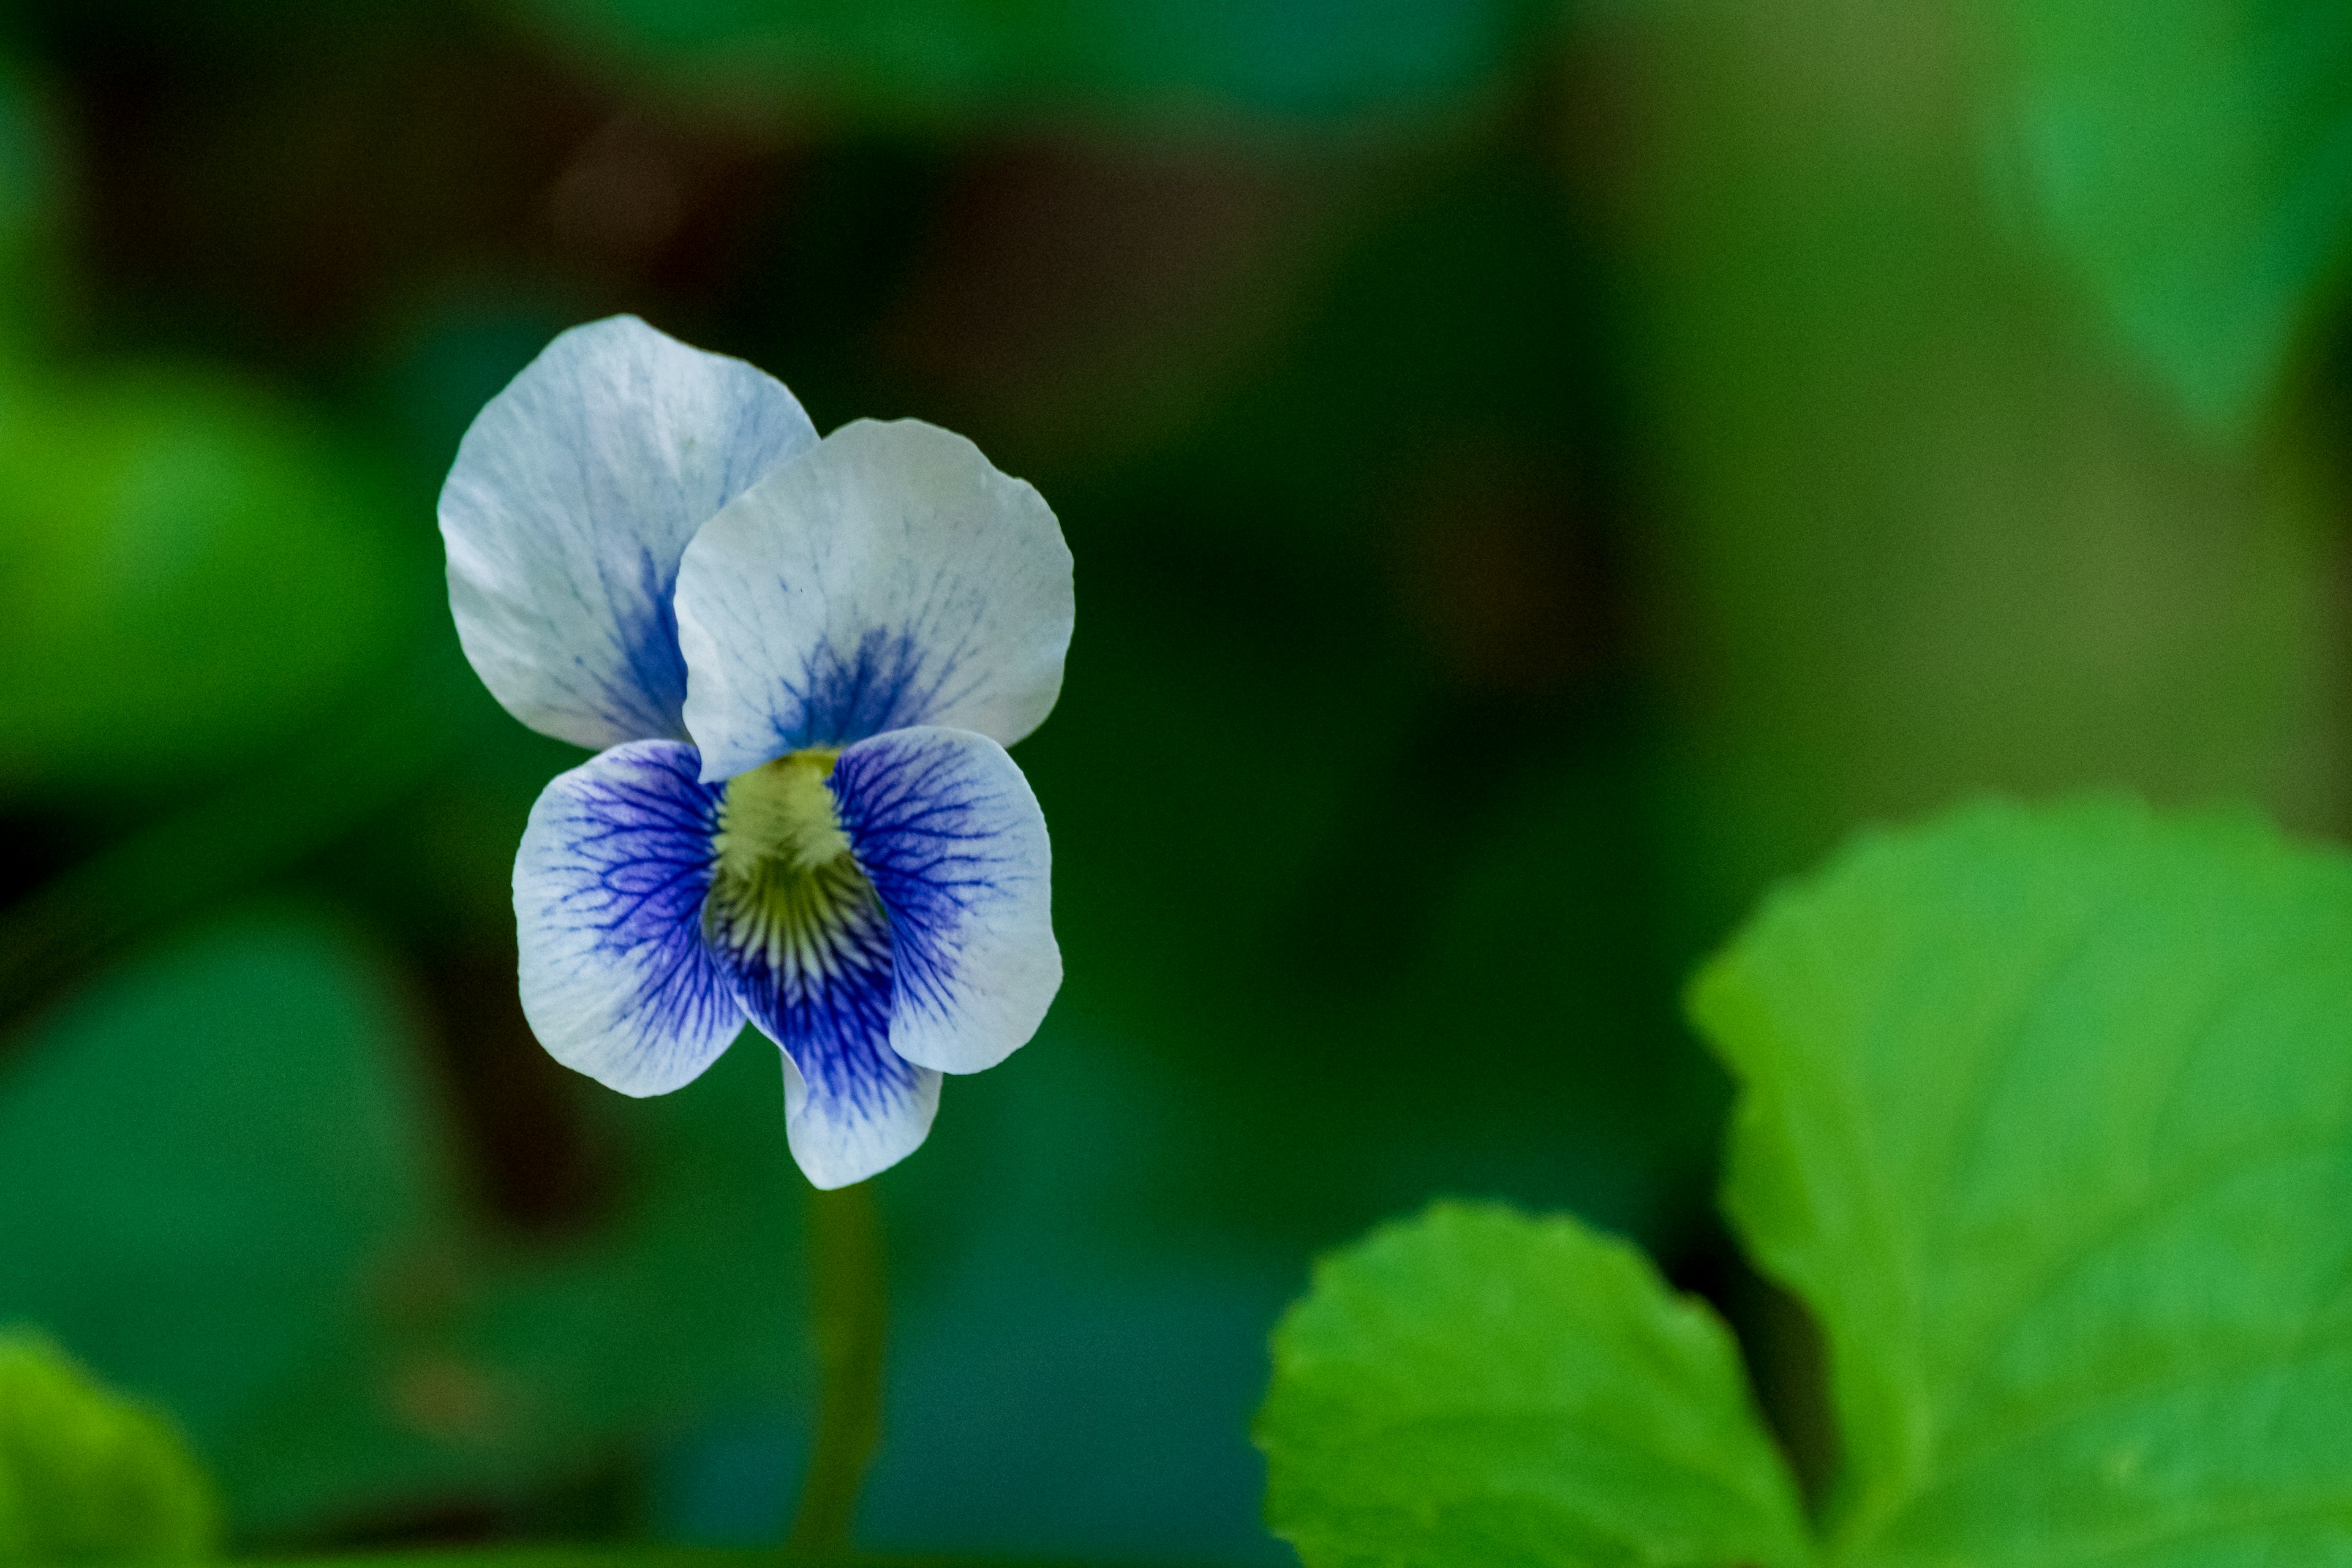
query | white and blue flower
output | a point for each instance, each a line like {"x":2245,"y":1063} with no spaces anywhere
{"x":801,"y":661}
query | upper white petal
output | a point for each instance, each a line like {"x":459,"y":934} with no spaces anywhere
{"x":573,"y":495}
{"x":890,"y":577}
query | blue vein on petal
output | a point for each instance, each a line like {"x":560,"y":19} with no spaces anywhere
{"x":641,"y":848}
{"x":923,"y":830}
{"x":650,"y":648}
{"x":879,"y":685}
{"x":646,"y":635}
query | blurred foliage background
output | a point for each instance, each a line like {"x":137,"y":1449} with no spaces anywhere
{"x":1539,"y":470}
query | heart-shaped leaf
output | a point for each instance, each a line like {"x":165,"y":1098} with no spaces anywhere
{"x":2048,"y":1117}
{"x":1476,"y":1387}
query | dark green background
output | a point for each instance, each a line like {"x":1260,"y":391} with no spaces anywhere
{"x":1536,"y":473}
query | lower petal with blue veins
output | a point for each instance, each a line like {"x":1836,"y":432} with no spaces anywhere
{"x":806,"y":946}
{"x":609,"y":886}
{"x":947,"y":829}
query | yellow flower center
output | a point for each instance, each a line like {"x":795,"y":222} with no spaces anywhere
{"x":786,"y":887}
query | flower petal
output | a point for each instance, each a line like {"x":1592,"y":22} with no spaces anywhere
{"x":573,"y":495}
{"x":617,"y":980}
{"x":945,"y":826}
{"x":812,"y":965}
{"x":838,"y":1138}
{"x":889,"y":578}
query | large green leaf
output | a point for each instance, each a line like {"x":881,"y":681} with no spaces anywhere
{"x":928,"y":57}
{"x":2195,"y":158}
{"x":694,"y":1297}
{"x":2048,"y":1115}
{"x":223,"y":1160}
{"x":1478,"y":1387}
{"x":239,"y":1210}
{"x":186,"y":569}
{"x":489,"y":1369}
{"x":88,"y":1478}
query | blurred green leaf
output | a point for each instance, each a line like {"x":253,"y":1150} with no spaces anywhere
{"x":264,"y":1240}
{"x":186,"y":571}
{"x":925,"y":58}
{"x":1918,"y":538}
{"x":1476,"y":1387}
{"x":87,"y":1478}
{"x":2195,"y":159}
{"x":695,"y":1295}
{"x":508,"y":1365}
{"x":2048,"y":1116}
{"x":227,"y":1152}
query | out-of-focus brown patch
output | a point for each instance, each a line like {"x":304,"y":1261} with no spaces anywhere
{"x":452,"y":1400}
{"x":401,"y":150}
{"x":423,"y":1288}
{"x":1492,"y":568}
{"x":1093,"y":293}
{"x":391,"y":149}
{"x":644,"y":199}
{"x":624,"y":194}
{"x":537,"y":1167}
{"x":1606,"y":99}
{"x":454,"y":1522}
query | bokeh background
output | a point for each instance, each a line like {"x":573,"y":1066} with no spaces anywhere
{"x":1537,"y":472}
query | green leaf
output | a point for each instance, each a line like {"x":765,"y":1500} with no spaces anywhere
{"x":186,"y":571}
{"x":2048,"y":1116}
{"x":509,"y":1366}
{"x":926,"y":57}
{"x":263,"y":1239}
{"x":87,"y":1478}
{"x":708,"y":1247}
{"x":234,"y":1163}
{"x":1476,"y":1387}
{"x":2195,"y":159}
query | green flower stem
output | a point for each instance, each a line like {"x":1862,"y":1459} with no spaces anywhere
{"x":852,"y":1311}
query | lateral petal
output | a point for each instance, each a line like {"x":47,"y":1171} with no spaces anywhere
{"x":949,"y":832}
{"x":617,"y":980}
